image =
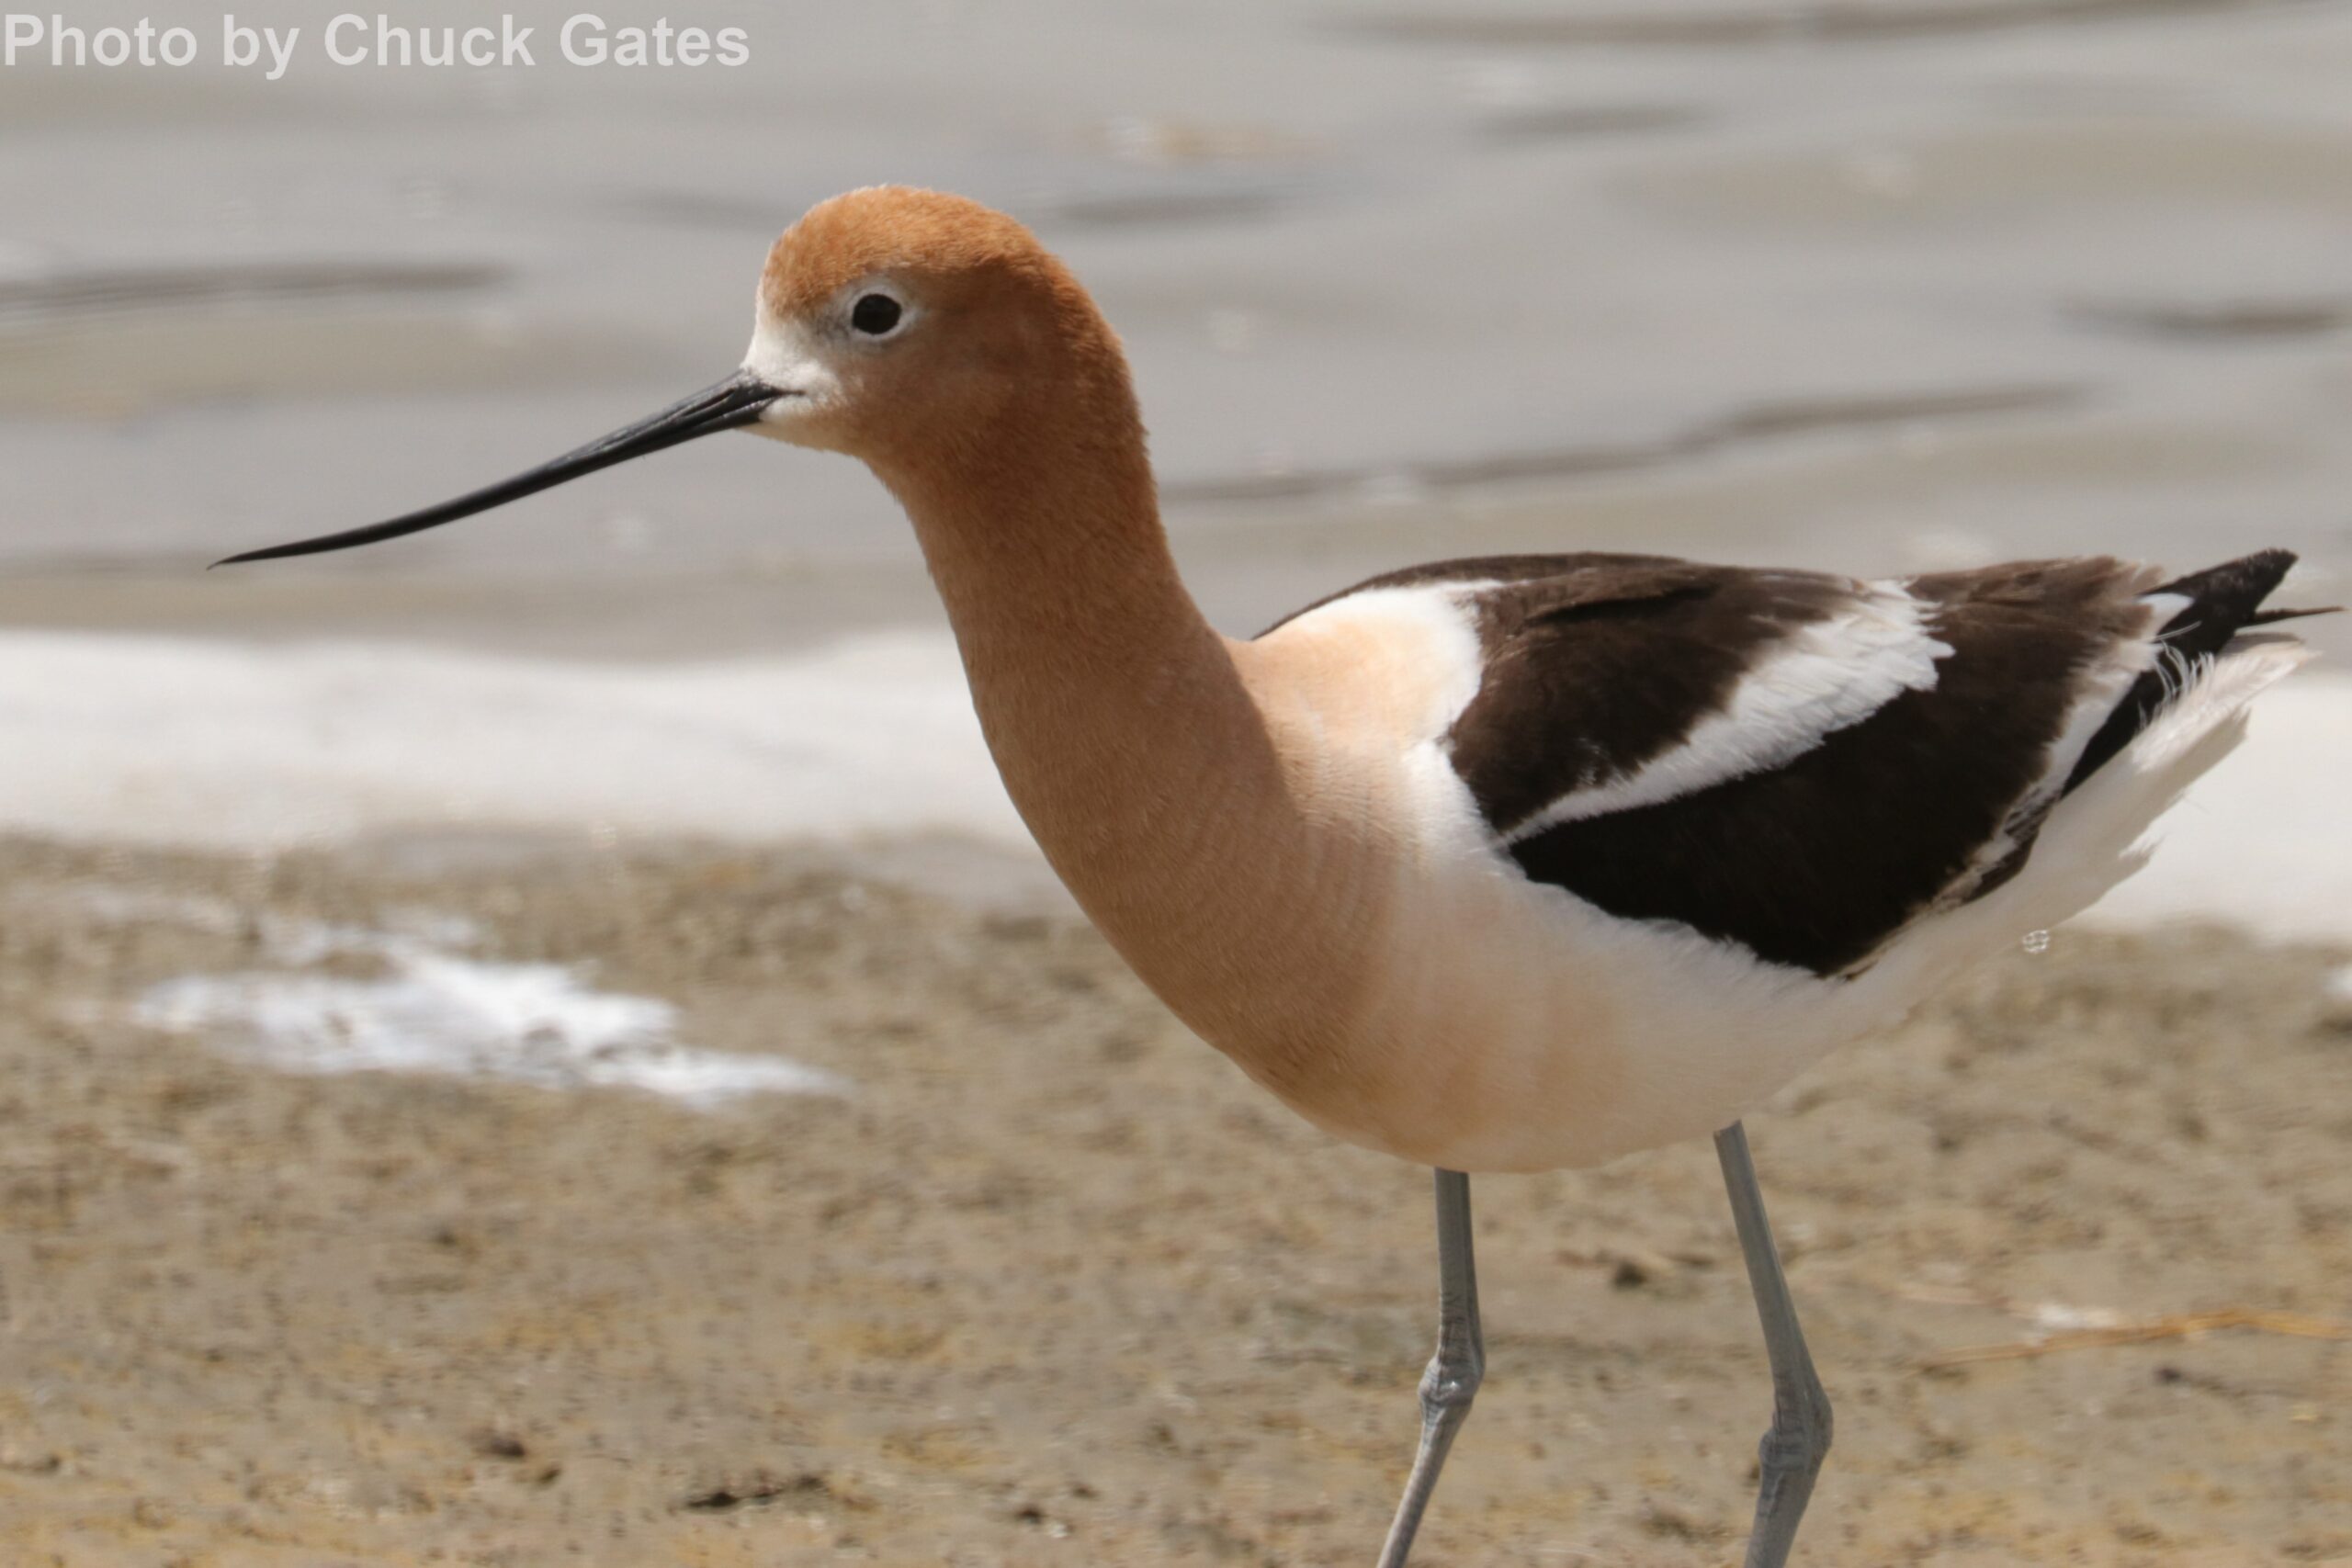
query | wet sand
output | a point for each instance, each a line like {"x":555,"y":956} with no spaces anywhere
{"x":1053,"y":1284}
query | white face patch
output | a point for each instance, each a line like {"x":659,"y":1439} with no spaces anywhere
{"x":802,"y":356}
{"x":782,"y":356}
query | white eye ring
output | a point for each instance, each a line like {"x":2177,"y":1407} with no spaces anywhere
{"x":876,"y":314}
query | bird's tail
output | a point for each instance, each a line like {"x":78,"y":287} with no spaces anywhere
{"x":2223,"y":601}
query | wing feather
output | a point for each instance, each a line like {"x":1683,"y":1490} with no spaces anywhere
{"x":1801,"y":764}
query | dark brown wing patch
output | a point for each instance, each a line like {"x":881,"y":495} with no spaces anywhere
{"x":1817,"y":863}
{"x":1596,"y":670}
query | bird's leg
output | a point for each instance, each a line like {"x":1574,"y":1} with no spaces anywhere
{"x":1451,"y":1381}
{"x":1798,"y":1439}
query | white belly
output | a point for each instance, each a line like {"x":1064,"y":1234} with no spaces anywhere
{"x":1512,"y":1026}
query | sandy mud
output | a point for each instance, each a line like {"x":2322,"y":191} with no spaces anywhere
{"x":1046,"y":1282}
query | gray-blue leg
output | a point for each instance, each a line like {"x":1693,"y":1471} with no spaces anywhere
{"x":1451,"y":1381}
{"x":1798,"y":1440}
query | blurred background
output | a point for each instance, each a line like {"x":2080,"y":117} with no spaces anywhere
{"x":546,"y":1041}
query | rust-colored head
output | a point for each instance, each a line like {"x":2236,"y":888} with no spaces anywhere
{"x":922,"y":333}
{"x":915,"y":329}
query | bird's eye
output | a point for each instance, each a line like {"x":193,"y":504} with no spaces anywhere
{"x":875,"y":314}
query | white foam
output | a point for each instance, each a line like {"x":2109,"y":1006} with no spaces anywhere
{"x":436,"y":1013}
{"x":430,"y":1011}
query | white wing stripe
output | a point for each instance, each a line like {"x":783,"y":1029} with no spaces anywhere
{"x":1821,"y":678}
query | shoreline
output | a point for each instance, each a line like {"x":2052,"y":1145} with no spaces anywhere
{"x":270,"y":745}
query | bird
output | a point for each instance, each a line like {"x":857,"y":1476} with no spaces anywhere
{"x":1502,"y":865}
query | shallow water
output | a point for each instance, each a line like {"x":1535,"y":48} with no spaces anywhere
{"x":1877,"y":284}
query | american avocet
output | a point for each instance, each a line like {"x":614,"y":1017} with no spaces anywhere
{"x":1504,"y":864}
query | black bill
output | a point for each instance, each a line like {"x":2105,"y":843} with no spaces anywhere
{"x":727,"y":405}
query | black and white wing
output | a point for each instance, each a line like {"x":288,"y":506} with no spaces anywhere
{"x":1800,"y":763}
